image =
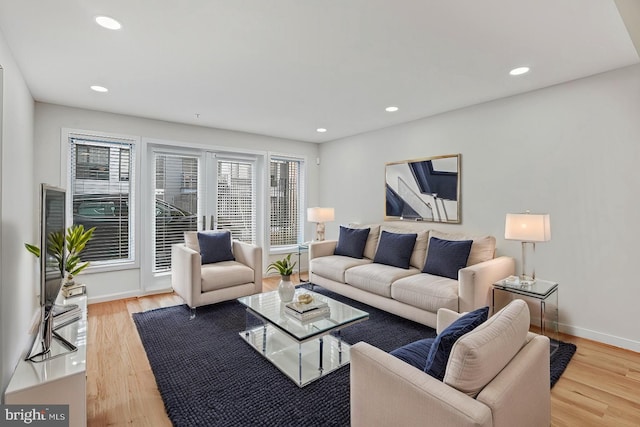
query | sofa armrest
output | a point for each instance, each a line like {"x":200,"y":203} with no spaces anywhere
{"x":445,"y":317}
{"x":323,"y":248}
{"x":475,"y":282}
{"x":251,"y":256}
{"x":387,"y":391}
{"x":519,"y":394}
{"x":185,"y":273}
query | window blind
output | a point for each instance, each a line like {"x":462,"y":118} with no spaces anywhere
{"x":102,"y":196}
{"x":236,"y":201}
{"x":176,"y":204}
{"x":285,"y":198}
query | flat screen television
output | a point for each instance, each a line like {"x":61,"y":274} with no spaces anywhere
{"x":52,"y":245}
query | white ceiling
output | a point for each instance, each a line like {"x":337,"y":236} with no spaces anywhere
{"x":286,"y":67}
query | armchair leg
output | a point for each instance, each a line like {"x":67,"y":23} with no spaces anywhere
{"x":193,"y":313}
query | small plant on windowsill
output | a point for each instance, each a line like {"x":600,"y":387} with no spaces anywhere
{"x":76,"y":238}
{"x":284,"y":267}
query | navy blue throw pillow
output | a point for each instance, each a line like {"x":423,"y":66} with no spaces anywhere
{"x":441,"y":348}
{"x":351,"y":242}
{"x":215,"y":246}
{"x":446,"y":257}
{"x":415,"y":353}
{"x":395,"y":249}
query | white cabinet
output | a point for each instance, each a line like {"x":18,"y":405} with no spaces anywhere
{"x":60,"y":380}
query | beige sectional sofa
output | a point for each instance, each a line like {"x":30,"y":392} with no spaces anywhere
{"x":410,"y":293}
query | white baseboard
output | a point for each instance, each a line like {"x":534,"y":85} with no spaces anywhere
{"x":113,"y":297}
{"x":128,"y":294}
{"x":600,"y":337}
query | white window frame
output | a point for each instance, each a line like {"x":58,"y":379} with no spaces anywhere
{"x":302,"y":202}
{"x":134,"y":209}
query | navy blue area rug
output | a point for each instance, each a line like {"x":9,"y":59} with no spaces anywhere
{"x":208,"y":376}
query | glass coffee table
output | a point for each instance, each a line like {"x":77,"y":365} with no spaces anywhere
{"x":303,"y":350}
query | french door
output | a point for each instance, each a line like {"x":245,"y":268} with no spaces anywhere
{"x":197,"y":190}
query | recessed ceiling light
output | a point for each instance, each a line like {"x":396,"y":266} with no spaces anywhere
{"x":107,"y":22}
{"x":391,"y":109}
{"x":518,"y":71}
{"x":321,"y":130}
{"x":100,"y":89}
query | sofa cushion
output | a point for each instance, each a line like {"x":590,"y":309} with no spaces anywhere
{"x":376,"y":278}
{"x":333,"y":266}
{"x":479,"y":356}
{"x":483,"y":248}
{"x":215,"y":246}
{"x":436,"y":363}
{"x":372,"y":240}
{"x":419,"y":253}
{"x":427,"y":292}
{"x":415,"y":353}
{"x":446,"y":257}
{"x":351,"y":242}
{"x":395,"y":249}
{"x":225,"y":274}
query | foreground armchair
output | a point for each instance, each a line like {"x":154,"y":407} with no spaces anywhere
{"x":496,"y":375}
{"x":201,"y":282}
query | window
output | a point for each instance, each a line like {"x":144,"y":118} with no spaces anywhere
{"x":176,"y":204}
{"x":102,"y":196}
{"x":92,"y":162}
{"x":286,"y":193}
{"x":236,"y":201}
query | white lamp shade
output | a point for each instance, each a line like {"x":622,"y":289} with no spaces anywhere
{"x":528,"y":227}
{"x":320,"y":214}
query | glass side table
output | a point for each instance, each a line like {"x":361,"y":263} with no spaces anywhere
{"x":546,"y":293}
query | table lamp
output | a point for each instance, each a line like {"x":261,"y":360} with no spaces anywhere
{"x":529,"y":228}
{"x":320,"y":216}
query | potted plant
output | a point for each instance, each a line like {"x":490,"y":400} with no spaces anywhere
{"x":284,"y":267}
{"x":77,"y":238}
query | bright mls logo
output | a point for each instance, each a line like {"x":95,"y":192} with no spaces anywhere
{"x":35,"y":415}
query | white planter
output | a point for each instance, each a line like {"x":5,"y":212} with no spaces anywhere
{"x":286,"y":289}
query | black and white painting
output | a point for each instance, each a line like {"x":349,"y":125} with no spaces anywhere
{"x":425,"y":189}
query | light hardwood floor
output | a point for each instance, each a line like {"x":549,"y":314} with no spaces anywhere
{"x":601,"y":386}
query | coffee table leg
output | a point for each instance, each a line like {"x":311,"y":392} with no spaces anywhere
{"x":339,"y":336}
{"x":320,"y":368}
{"x":264,"y":339}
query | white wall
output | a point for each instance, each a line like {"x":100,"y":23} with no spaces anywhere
{"x":19,"y":207}
{"x":50,"y":119}
{"x":571,"y":150}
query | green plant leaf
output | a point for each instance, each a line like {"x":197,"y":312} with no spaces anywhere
{"x":33,"y":249}
{"x":76,"y":238}
{"x":284,"y":266}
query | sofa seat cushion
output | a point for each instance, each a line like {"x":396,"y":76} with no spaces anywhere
{"x":225,"y":274}
{"x":415,"y":353}
{"x":427,"y":292}
{"x":333,"y":266}
{"x":477,"y":357}
{"x":376,"y":278}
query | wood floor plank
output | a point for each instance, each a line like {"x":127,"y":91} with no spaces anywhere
{"x":601,"y":386}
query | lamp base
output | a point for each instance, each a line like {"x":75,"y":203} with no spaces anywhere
{"x":319,"y":231}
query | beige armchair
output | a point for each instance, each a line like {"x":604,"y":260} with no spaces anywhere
{"x":496,"y":375}
{"x":202,"y":284}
